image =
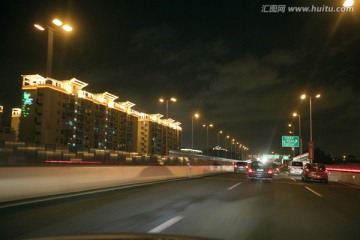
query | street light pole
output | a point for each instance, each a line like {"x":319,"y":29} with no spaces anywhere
{"x":225,"y":144}
{"x":192,"y":130}
{"x":207,"y":136}
{"x":50,"y":52}
{"x":167,"y":119}
{"x":293,"y":133}
{"x":218,"y":142}
{"x":236,"y":148}
{"x":232,"y":143}
{"x":49,"y":61}
{"x":295,"y":114}
{"x":311,"y":144}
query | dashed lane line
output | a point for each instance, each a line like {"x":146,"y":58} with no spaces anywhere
{"x":166,"y":224}
{"x":234,"y":186}
{"x":314,"y":192}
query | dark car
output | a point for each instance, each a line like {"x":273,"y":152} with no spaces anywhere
{"x":276,"y":168}
{"x":260,"y":170}
{"x":240,"y":167}
{"x":314,"y":171}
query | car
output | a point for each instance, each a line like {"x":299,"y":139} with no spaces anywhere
{"x":296,"y":168}
{"x":240,"y":167}
{"x":260,"y":170}
{"x":315,"y":171}
{"x":276,"y":168}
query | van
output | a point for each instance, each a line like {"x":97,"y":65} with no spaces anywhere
{"x":296,"y":168}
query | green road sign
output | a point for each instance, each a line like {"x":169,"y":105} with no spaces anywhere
{"x":290,"y":141}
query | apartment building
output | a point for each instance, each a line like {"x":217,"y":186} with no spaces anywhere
{"x":61,"y":112}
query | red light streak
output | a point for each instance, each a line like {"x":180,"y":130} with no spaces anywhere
{"x":353,"y":169}
{"x":71,"y":162}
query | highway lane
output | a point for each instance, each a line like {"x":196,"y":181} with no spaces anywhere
{"x":225,"y":206}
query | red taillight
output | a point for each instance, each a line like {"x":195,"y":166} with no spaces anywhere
{"x":250,"y":170}
{"x":270,"y":171}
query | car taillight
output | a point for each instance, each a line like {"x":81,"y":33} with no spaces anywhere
{"x":250,"y":170}
{"x":270,"y":171}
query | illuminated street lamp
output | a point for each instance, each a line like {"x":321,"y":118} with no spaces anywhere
{"x":51,"y":30}
{"x":225,"y":144}
{"x":293,"y":133}
{"x":246,"y":149}
{"x":240,"y":151}
{"x":236,"y":148}
{"x":311,"y":148}
{"x":167,"y":104}
{"x":207,"y":136}
{"x":232,"y":143}
{"x":218,"y":142}
{"x":196,"y":115}
{"x":348,"y":3}
{"x":295,"y":115}
{"x":293,"y":129}
{"x":162,"y":100}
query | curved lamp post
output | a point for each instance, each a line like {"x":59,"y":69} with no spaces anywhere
{"x":51,"y":30}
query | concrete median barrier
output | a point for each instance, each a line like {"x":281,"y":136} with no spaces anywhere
{"x":30,"y":182}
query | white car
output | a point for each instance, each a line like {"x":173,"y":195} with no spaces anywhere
{"x":296,"y":168}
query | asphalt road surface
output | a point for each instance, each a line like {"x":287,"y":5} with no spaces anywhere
{"x":225,"y":206}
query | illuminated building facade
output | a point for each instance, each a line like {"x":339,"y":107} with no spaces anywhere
{"x":15,"y":121}
{"x":152,"y":131}
{"x":62,"y":113}
{"x":8,"y":133}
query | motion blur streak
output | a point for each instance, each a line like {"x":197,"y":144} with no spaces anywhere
{"x":353,"y":169}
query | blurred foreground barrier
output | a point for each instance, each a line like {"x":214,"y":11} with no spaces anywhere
{"x":344,"y":173}
{"x":29,"y":182}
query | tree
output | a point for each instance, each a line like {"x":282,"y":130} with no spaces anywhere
{"x":321,"y":157}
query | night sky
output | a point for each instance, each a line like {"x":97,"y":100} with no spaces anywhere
{"x":241,"y":69}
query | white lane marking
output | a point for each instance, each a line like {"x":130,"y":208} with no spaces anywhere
{"x":232,"y":187}
{"x":166,"y":224}
{"x":314,"y":192}
{"x":293,"y":179}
